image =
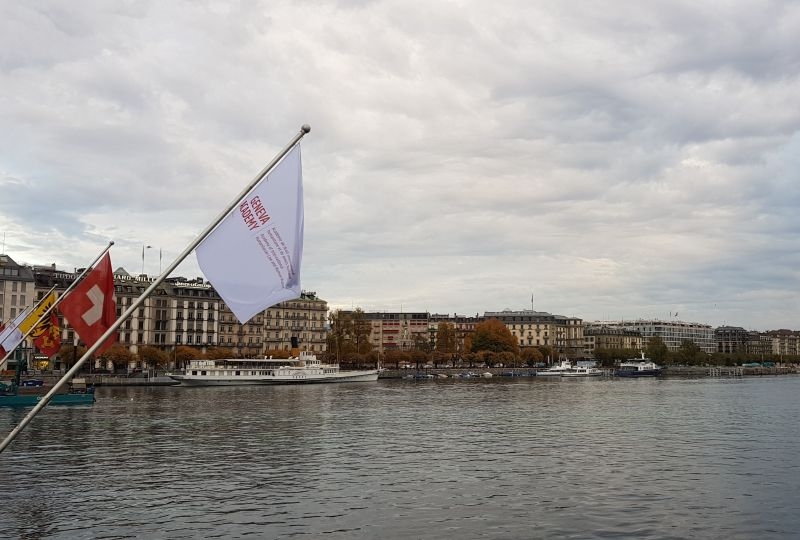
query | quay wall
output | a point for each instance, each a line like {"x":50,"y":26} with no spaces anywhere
{"x":672,"y":371}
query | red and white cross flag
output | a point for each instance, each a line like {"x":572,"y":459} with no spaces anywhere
{"x":90,"y":308}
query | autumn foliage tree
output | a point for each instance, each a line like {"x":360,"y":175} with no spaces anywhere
{"x":183,"y":354}
{"x":349,"y":333}
{"x":153,"y":357}
{"x":70,"y":354}
{"x":531,"y":356}
{"x":119,"y":356}
{"x":492,"y":335}
{"x":217,"y":353}
{"x":446,"y":338}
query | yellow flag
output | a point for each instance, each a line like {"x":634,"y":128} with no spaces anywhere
{"x":37,"y":313}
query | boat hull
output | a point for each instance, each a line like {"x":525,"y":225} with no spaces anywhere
{"x":636,"y":374}
{"x":343,"y":376}
{"x":30,"y":400}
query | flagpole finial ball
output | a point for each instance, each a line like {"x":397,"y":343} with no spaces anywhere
{"x":306,"y":128}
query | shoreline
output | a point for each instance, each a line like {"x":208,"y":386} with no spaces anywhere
{"x":685,"y":372}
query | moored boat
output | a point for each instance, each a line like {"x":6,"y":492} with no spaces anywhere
{"x":583,"y":371}
{"x":78,"y":394}
{"x":556,"y":371}
{"x":638,"y":368}
{"x":303,"y":369}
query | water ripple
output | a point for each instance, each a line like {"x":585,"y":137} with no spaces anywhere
{"x":398,"y":459}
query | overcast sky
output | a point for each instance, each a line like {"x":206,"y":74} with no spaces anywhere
{"x":613,"y":160}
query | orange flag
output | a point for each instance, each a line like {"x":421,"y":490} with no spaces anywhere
{"x":47,"y":335}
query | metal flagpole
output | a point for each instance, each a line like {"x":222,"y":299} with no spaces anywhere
{"x":68,"y":375}
{"x":58,"y":300}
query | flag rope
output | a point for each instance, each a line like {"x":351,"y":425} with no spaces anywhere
{"x":140,"y":300}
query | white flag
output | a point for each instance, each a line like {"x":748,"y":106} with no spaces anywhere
{"x":11,"y":335}
{"x":252,"y":259}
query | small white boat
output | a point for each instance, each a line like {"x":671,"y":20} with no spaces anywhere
{"x":486,"y":375}
{"x":556,"y":371}
{"x":305,"y":368}
{"x":583,"y":371}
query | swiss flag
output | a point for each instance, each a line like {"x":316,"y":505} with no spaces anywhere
{"x":90,"y":307}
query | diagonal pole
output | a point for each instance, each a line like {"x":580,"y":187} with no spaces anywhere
{"x":139,"y":301}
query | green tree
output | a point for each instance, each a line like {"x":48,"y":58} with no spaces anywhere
{"x":657,"y":350}
{"x":607,"y":357}
{"x":492,"y":335}
{"x":690,"y":354}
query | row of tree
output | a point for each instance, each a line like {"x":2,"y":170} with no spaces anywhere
{"x":490,"y":344}
{"x":493,"y":343}
{"x":119,"y":359}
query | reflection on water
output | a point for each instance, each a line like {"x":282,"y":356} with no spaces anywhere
{"x":413,"y":459}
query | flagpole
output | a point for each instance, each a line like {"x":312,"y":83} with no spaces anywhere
{"x":68,"y":375}
{"x":57,"y":300}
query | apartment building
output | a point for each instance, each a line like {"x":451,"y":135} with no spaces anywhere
{"x":539,"y":328}
{"x":672,"y":333}
{"x":398,"y":330}
{"x":785,"y":342}
{"x":731,"y":339}
{"x":304,"y":318}
{"x":17,"y":290}
{"x":462,"y":324}
{"x":599,"y":335}
{"x":189,"y":312}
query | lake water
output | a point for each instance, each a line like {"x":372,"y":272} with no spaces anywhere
{"x":496,"y":458}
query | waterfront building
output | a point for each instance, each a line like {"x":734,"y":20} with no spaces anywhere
{"x":16,"y":288}
{"x":304,"y":318}
{"x":731,"y":339}
{"x":17,"y":292}
{"x":463,"y":325}
{"x":399,"y":331}
{"x":599,"y":335}
{"x":272,"y":330}
{"x":672,"y":333}
{"x":539,"y":328}
{"x":785,"y":342}
{"x":189,"y":312}
{"x":759,"y":345}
